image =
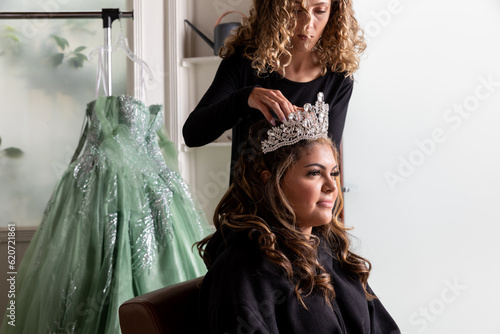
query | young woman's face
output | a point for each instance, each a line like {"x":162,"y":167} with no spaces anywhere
{"x":306,"y":39}
{"x":310,"y":187}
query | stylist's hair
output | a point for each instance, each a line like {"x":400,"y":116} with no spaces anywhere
{"x":266,"y":34}
{"x":258,"y":206}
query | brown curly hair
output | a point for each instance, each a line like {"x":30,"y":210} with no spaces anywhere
{"x":266,"y":34}
{"x":261,"y":209}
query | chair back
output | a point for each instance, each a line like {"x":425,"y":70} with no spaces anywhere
{"x":169,"y":310}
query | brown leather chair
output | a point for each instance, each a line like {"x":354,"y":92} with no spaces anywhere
{"x":172,"y":309}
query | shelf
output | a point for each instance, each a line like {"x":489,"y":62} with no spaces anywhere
{"x":189,"y":62}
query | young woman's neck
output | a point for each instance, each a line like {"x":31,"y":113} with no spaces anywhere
{"x":304,"y":67}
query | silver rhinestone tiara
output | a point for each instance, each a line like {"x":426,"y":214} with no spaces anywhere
{"x":310,"y":123}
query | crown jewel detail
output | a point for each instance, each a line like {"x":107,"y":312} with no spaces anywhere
{"x":310,"y":123}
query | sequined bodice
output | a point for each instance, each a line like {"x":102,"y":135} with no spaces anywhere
{"x":110,"y":115}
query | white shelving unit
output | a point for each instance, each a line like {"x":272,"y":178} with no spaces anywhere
{"x":192,"y":67}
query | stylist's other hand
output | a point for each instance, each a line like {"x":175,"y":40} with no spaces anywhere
{"x":265,"y":100}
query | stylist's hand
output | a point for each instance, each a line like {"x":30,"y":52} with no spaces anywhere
{"x":268,"y":99}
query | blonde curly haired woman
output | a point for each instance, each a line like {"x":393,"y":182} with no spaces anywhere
{"x":284,"y":52}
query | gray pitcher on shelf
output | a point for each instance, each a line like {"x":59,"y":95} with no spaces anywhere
{"x":221,"y":31}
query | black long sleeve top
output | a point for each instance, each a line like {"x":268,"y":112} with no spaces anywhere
{"x":225,"y":104}
{"x":245,"y":293}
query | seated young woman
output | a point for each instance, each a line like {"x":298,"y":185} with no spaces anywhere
{"x":280,"y":260}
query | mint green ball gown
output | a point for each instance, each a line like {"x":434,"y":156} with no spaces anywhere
{"x":120,"y":223}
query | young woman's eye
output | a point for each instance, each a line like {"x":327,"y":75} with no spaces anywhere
{"x":335,"y":173}
{"x":321,"y":10}
{"x":314,"y":173}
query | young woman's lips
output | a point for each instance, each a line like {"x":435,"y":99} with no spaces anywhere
{"x":304,"y":37}
{"x":326,"y":204}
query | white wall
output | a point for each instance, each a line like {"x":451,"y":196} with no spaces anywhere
{"x":422,"y":159}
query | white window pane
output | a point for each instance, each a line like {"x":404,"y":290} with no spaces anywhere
{"x":45,"y":85}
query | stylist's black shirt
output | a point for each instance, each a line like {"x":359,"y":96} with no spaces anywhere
{"x":225,"y":104}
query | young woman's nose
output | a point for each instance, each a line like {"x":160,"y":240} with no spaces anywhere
{"x":330,"y":185}
{"x":310,"y":23}
{"x":305,"y":20}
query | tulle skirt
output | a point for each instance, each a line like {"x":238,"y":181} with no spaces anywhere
{"x":120,"y":223}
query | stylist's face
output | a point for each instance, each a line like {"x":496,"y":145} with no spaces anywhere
{"x":310,"y":187}
{"x":304,"y":39}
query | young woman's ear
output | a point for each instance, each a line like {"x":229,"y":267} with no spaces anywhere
{"x":265,"y":175}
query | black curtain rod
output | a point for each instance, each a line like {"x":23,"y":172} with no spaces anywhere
{"x":60,"y":15}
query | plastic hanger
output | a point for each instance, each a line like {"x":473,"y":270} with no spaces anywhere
{"x":121,"y":44}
